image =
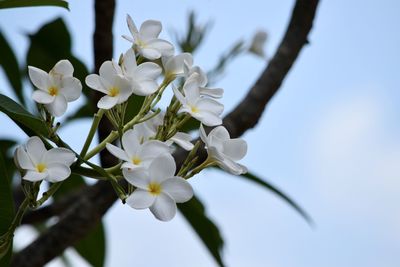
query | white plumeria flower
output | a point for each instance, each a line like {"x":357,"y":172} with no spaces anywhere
{"x":158,"y":188}
{"x":202,"y":80}
{"x":42,"y":164}
{"x":258,"y":42}
{"x":174,"y":66}
{"x":56,"y":88}
{"x":146,"y":41}
{"x":148,"y":129}
{"x":224,"y":150}
{"x":112,"y":83}
{"x":136,"y":154}
{"x":142,"y":77}
{"x":204,"y":109}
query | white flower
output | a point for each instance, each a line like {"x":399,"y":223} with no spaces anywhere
{"x":41,"y":164}
{"x":136,"y":154}
{"x":202,"y":81}
{"x":112,"y":83}
{"x":142,"y":77}
{"x":174,"y":66}
{"x":56,"y":88}
{"x":146,"y":40}
{"x":224,"y":150}
{"x":204,"y":109}
{"x":148,"y":129}
{"x":258,"y":42}
{"x":158,"y":188}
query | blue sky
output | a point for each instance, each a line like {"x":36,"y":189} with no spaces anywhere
{"x":329,"y":138}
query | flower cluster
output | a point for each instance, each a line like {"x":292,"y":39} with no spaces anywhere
{"x":148,"y":139}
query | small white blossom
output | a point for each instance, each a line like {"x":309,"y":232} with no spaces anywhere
{"x":158,"y":188}
{"x":56,"y":88}
{"x":224,"y":150}
{"x":112,"y":83}
{"x":146,"y":41}
{"x":204,"y":109}
{"x":42,"y":164}
{"x":136,"y":154}
{"x":142,"y":77}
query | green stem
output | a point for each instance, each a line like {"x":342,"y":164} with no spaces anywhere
{"x":207,"y":163}
{"x":93,"y":128}
{"x":46,"y":195}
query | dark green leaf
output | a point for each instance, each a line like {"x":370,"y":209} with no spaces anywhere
{"x":9,"y":63}
{"x":134,"y":105}
{"x":28,"y":122}
{"x":93,"y":247}
{"x":251,"y":177}
{"x":5,"y":146}
{"x":208,"y":232}
{"x":6,"y":207}
{"x":32,"y":3}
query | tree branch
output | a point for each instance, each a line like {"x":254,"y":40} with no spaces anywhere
{"x":95,"y":201}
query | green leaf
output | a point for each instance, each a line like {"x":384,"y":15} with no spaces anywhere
{"x":28,"y":122}
{"x":8,"y":61}
{"x":253,"y":178}
{"x":6,"y":207}
{"x":92,"y":247}
{"x":5,"y":146}
{"x":32,"y":3}
{"x":208,"y":232}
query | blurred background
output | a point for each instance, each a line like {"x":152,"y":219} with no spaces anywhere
{"x":329,"y":139}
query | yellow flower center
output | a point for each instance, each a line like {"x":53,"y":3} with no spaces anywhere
{"x":154,"y":189}
{"x":41,"y":167}
{"x":136,"y":160}
{"x":194,"y":109}
{"x":114,"y":91}
{"x":53,"y":91}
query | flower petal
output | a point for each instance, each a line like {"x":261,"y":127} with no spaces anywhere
{"x":57,"y":172}
{"x":176,"y":64}
{"x":107,"y":102}
{"x":109,"y":69}
{"x":164,"y":47}
{"x":58,"y":106}
{"x":148,"y":70}
{"x":212,"y":92}
{"x":162,"y":168}
{"x":203,"y":135}
{"x":131,"y":26}
{"x":71,"y":88}
{"x":34,"y":176}
{"x":117,"y":152}
{"x":150,"y":53}
{"x":94,"y":81}
{"x":179,"y":95}
{"x":140,"y":199}
{"x":178,"y":188}
{"x":150,"y":29}
{"x":63,"y":68}
{"x":210,"y":105}
{"x":236,"y":148}
{"x":42,"y":97}
{"x":144,"y":87}
{"x":59,"y":155}
{"x":129,"y":62}
{"x":35,"y":149}
{"x":137,"y":177}
{"x":131,"y":143}
{"x":152,"y":149}
{"x":208,"y":118}
{"x":23,"y":159}
{"x":220,"y":132}
{"x":183,"y":140}
{"x":39,"y":78}
{"x":164,"y":207}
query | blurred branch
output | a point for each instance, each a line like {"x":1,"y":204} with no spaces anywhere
{"x":94,"y":201}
